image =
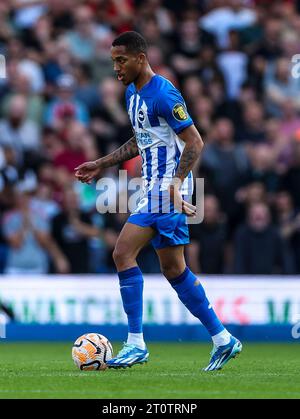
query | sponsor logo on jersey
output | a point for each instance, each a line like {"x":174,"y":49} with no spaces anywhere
{"x":143,"y":138}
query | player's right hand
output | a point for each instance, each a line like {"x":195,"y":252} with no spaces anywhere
{"x":88,"y":171}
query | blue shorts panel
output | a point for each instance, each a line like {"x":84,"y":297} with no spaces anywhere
{"x":172,"y":228}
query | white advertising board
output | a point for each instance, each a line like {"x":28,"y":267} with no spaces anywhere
{"x":96,"y":300}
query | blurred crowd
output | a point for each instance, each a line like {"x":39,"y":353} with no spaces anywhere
{"x":61,"y":104}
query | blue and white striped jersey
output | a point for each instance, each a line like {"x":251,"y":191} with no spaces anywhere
{"x":158,"y":113}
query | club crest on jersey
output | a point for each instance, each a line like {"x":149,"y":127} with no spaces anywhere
{"x":179,"y":112}
{"x":141,"y":116}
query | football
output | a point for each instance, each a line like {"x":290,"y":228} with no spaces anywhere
{"x":91,"y":351}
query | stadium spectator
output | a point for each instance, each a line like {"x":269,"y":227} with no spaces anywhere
{"x":252,"y":129}
{"x":85,"y":88}
{"x":206,"y":252}
{"x":157,"y":62}
{"x":281,"y":147}
{"x":233,"y":108}
{"x":291,"y":179}
{"x":202,"y":111}
{"x":29,"y":65}
{"x":100,"y":65}
{"x":110,"y":121}
{"x":262,"y":167}
{"x":82,"y":39}
{"x":27,"y":234}
{"x":225,"y":164}
{"x":290,"y":121}
{"x":44,"y":202}
{"x":233,"y":57}
{"x":28,"y":12}
{"x":71,"y":229}
{"x":62,"y":15}
{"x":285,"y":214}
{"x":64,"y":107}
{"x":188,"y":42}
{"x":78,"y":146}
{"x":17,"y":132}
{"x":280,"y":86}
{"x":162,"y":15}
{"x":20,"y":85}
{"x":221,"y":20}
{"x":259,"y":248}
{"x":149,"y":27}
{"x":193,"y":89}
{"x":209,"y":69}
{"x":268,"y":48}
{"x":119,"y":13}
{"x":250,"y":194}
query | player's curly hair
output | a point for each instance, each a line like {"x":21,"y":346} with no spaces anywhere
{"x":133,"y":41}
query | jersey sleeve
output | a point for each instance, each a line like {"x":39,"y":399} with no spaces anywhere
{"x":171,"y":106}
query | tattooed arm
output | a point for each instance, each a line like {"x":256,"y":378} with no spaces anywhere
{"x":190,"y":154}
{"x":88,"y":171}
{"x":126,"y":152}
{"x":191,"y":151}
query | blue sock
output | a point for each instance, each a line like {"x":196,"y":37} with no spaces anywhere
{"x":192,"y":295}
{"x":131,"y":287}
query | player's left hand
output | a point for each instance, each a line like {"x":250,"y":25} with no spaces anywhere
{"x":180,"y":204}
{"x":189,"y":209}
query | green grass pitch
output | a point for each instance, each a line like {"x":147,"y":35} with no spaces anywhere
{"x":46,"y":370}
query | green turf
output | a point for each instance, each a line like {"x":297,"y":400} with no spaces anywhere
{"x":46,"y":370}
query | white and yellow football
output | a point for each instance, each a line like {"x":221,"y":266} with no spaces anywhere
{"x":91,"y":351}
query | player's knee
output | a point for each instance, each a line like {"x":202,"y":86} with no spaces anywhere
{"x":118,"y":254}
{"x":170,"y":271}
{"x":121,"y":254}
